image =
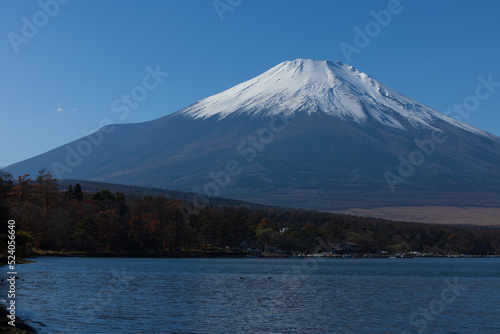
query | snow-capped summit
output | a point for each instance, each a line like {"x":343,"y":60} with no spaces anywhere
{"x":302,"y":85}
{"x":342,"y":140}
{"x":312,"y":86}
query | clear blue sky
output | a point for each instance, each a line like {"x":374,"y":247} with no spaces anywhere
{"x":64,"y":77}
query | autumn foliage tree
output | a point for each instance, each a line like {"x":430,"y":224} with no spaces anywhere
{"x":5,"y":193}
{"x":45,"y":189}
{"x":23,"y":188}
{"x":103,"y":222}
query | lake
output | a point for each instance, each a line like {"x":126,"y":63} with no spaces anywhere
{"x":254,"y":295}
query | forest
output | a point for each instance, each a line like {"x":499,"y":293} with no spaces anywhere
{"x":106,"y":223}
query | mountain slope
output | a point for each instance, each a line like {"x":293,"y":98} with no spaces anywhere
{"x":299,"y":134}
{"x":311,"y":86}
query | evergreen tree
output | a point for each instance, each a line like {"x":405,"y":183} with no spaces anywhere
{"x":68,"y":194}
{"x":86,"y":233}
{"x":77,"y":192}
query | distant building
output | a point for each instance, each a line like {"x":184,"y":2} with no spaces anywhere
{"x":284,"y":230}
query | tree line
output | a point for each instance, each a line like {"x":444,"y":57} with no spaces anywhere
{"x":107,"y":222}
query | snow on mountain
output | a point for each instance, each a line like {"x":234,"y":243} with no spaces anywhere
{"x":310,"y":86}
{"x":346,"y":133}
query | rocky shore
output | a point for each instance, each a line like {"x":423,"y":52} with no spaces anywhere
{"x":20,"y":327}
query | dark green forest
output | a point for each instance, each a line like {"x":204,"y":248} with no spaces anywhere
{"x":110,"y":223}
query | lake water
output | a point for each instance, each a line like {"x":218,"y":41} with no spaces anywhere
{"x":419,"y":295}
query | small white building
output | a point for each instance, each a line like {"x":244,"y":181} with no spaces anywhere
{"x":284,"y":230}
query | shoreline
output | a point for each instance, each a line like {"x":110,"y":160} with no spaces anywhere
{"x":239,"y":255}
{"x":19,"y":328}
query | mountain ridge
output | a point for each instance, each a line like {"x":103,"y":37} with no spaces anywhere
{"x":290,"y":143}
{"x":316,"y":80}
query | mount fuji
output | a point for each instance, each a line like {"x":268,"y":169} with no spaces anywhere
{"x":306,"y":133}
